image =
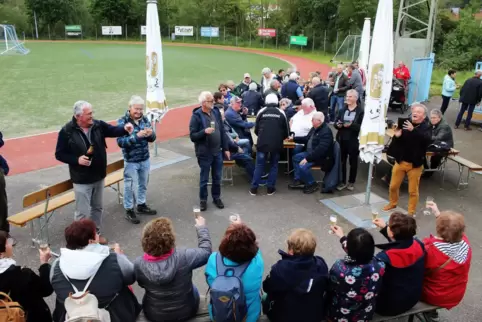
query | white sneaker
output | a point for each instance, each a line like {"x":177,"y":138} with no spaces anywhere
{"x":350,"y":187}
{"x":341,"y":186}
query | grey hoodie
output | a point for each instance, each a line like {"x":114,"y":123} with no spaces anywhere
{"x":356,"y":82}
{"x":168,"y":281}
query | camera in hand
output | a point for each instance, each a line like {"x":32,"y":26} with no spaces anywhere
{"x":90,"y":153}
{"x":401,"y":121}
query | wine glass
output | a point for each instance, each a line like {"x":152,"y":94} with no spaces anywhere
{"x":333,"y":220}
{"x":196,"y":211}
{"x":428,"y":211}
{"x":375,"y":215}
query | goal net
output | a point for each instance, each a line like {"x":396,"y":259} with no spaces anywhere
{"x":9,"y":43}
{"x":349,"y":50}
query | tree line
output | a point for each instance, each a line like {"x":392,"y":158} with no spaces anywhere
{"x":458,"y":41}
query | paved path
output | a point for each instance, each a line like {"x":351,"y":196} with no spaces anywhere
{"x":37,"y":152}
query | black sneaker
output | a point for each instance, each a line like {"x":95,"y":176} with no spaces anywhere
{"x":131,"y":216}
{"x":218,"y":203}
{"x":296,"y":184}
{"x":310,"y":188}
{"x":145,"y":210}
{"x":265,"y":176}
{"x":203,"y":205}
{"x":253,"y":191}
{"x":271,"y":191}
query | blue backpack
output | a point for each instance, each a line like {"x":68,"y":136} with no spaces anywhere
{"x":228,"y":301}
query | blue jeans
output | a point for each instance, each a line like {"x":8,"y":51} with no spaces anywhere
{"x":245,"y":161}
{"x":470,"y":110}
{"x":135,"y":173}
{"x":245,"y":145}
{"x":213,"y":163}
{"x":303,"y":172}
{"x":259,"y":170}
{"x":335,"y":101}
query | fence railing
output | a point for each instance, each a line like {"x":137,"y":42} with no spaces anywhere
{"x":322,"y":41}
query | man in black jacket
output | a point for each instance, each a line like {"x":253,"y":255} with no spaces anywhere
{"x":470,"y":95}
{"x":319,"y":95}
{"x":318,"y":146}
{"x":4,"y":225}
{"x":81,"y":144}
{"x":271,"y":129}
{"x":340,"y":86}
{"x":252,"y":99}
{"x":409,"y":147}
{"x":206,"y":131}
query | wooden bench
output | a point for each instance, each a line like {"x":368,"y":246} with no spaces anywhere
{"x":228,"y":171}
{"x":39,"y":206}
{"x":203,"y":314}
{"x":465,"y":164}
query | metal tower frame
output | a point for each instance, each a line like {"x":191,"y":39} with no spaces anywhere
{"x":427,"y":27}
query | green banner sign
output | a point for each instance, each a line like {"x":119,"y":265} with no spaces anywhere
{"x":298,"y":40}
{"x":77,"y":28}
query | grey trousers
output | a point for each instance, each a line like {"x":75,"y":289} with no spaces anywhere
{"x":89,"y":201}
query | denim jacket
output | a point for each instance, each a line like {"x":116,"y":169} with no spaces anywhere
{"x":135,"y":149}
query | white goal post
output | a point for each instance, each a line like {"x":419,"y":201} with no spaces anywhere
{"x":9,"y":43}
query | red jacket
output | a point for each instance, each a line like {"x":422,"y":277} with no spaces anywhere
{"x":402,"y":73}
{"x":445,"y":287}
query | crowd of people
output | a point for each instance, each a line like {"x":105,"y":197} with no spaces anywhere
{"x":299,"y":287}
{"x":286,"y":109}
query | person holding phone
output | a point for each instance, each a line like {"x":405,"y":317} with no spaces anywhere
{"x":348,"y":123}
{"x":409,"y":147}
{"x":135,"y":148}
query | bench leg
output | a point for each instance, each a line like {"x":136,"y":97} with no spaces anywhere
{"x":461,"y":182}
{"x":118,"y":193}
{"x":32,"y":232}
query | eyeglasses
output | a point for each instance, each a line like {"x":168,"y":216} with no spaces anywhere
{"x":209,"y":101}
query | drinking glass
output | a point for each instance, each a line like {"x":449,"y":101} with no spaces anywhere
{"x":213,"y":124}
{"x":375,"y":215}
{"x":428,"y":211}
{"x":333,"y":220}
{"x":112,"y":246}
{"x":43,"y":245}
{"x":234,"y":218}
{"x":197,"y":211}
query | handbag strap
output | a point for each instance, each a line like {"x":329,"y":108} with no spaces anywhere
{"x":86,"y":285}
{"x":441,"y":266}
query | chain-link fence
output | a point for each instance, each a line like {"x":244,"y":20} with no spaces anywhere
{"x":319,"y":41}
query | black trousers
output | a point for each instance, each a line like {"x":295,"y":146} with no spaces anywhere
{"x":4,"y":225}
{"x":349,"y":150}
{"x":445,"y":103}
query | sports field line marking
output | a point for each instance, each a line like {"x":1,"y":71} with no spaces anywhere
{"x":228,"y":48}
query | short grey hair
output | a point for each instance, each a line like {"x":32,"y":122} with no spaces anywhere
{"x":478,"y":72}
{"x":437,"y":113}
{"x":273,"y":82}
{"x":285,"y":100}
{"x":418,"y":104}
{"x":294,"y":76}
{"x":319,"y":116}
{"x":136,"y":100}
{"x":253,"y":86}
{"x":315,"y":80}
{"x":203,"y":96}
{"x":307,"y":102}
{"x":265,"y":70}
{"x":79,"y":107}
{"x":353,"y":92}
{"x":233,"y":99}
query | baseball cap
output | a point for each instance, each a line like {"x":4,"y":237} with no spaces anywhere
{"x":237,"y":99}
{"x":247,"y":75}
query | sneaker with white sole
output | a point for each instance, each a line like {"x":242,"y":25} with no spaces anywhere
{"x":341,"y":186}
{"x":350,"y":187}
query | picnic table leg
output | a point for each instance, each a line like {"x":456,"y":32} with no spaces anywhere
{"x":461,"y":170}
{"x":32,"y":232}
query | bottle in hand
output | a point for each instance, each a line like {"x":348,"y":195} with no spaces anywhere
{"x":90,"y":152}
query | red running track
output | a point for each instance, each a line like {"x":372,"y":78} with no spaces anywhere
{"x":36,"y":152}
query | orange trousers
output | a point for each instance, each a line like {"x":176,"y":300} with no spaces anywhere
{"x":398,"y":174}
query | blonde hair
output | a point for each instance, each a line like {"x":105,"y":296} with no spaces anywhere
{"x":302,"y":242}
{"x":450,"y":226}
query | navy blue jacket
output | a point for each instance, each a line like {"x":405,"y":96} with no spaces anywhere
{"x":237,"y":123}
{"x":322,"y":143}
{"x":319,"y":95}
{"x":295,"y":289}
{"x":198,"y":125}
{"x":134,"y":148}
{"x":403,"y":279}
{"x":3,"y":162}
{"x":288,"y":90}
{"x":253,"y":101}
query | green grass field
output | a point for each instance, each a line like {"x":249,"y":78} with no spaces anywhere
{"x":38,"y":90}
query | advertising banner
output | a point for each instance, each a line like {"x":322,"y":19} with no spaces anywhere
{"x":266,"y":32}
{"x":73,"y":30}
{"x":209,"y":31}
{"x":298,"y":40}
{"x":184,"y":30}
{"x":111,"y":30}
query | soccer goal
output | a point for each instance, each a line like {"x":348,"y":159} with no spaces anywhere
{"x":9,"y":43}
{"x":348,"y":51}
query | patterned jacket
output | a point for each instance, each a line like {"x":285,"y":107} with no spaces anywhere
{"x":135,"y":149}
{"x":353,"y":290}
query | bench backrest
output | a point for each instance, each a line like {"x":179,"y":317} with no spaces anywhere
{"x":48,"y":192}
{"x":114,"y":166}
{"x":59,"y":188}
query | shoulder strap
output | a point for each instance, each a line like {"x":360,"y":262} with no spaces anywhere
{"x":435,"y":270}
{"x":86,"y":285}
{"x":223,"y":269}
